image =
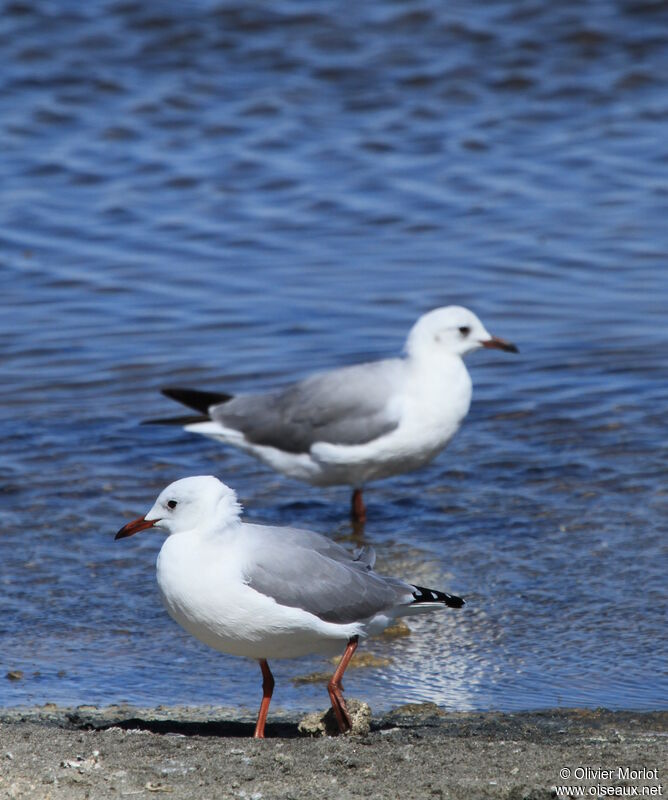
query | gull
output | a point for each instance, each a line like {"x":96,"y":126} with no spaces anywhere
{"x":355,"y":424}
{"x":270,"y":592}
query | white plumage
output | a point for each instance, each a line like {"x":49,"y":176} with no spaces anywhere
{"x":356,"y":424}
{"x":264,"y":592}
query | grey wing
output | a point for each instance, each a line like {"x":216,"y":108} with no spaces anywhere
{"x":345,"y":406}
{"x":266,"y":536}
{"x":329,"y":582}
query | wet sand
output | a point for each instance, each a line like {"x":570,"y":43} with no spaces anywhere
{"x":411,"y":752}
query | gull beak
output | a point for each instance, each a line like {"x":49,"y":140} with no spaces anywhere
{"x":495,"y":343}
{"x":139,"y":524}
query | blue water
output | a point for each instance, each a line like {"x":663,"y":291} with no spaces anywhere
{"x":230,"y":195}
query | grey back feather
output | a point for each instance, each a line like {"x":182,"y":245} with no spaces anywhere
{"x":302,"y":569}
{"x":345,"y":406}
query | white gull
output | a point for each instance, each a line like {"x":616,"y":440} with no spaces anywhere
{"x":355,"y":424}
{"x":268,"y":592}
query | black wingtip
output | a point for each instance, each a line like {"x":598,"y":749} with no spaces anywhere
{"x":423,"y":595}
{"x":199,"y":401}
{"x":452,"y":601}
{"x":187,"y":420}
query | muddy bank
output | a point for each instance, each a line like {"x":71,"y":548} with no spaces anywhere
{"x":413,"y":751}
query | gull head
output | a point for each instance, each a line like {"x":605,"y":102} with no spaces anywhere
{"x":186,"y":505}
{"x":454,"y":330}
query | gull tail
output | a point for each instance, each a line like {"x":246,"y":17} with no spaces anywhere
{"x":433,"y":596}
{"x":199,"y":401}
{"x":189,"y":419}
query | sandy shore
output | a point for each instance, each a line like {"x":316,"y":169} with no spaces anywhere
{"x":411,"y":752}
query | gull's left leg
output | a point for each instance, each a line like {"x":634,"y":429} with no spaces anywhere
{"x":357,"y":507}
{"x":334,"y":687}
{"x":267,"y":689}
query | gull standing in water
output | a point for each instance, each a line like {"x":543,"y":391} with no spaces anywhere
{"x":266,"y":592}
{"x":355,"y":424}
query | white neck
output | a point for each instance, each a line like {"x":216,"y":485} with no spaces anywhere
{"x":434,"y":358}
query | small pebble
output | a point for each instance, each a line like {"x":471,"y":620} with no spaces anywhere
{"x":157,"y":787}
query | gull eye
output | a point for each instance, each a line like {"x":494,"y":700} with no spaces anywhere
{"x":465,"y":330}
{"x":171,"y":504}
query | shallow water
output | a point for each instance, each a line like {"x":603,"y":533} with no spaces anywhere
{"x":226,"y":197}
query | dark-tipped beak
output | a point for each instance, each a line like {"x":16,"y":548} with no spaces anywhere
{"x":139,"y":524}
{"x":499,"y":344}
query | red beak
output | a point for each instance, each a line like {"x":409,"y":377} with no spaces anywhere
{"x":139,"y":524}
{"x":495,"y":343}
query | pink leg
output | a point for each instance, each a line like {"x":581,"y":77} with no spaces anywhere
{"x":267,"y":689}
{"x":358,"y":509}
{"x":334,"y":687}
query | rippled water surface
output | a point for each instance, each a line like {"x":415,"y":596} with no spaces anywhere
{"x":230,"y":195}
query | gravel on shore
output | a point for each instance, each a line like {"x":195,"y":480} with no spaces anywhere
{"x":416,"y":751}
